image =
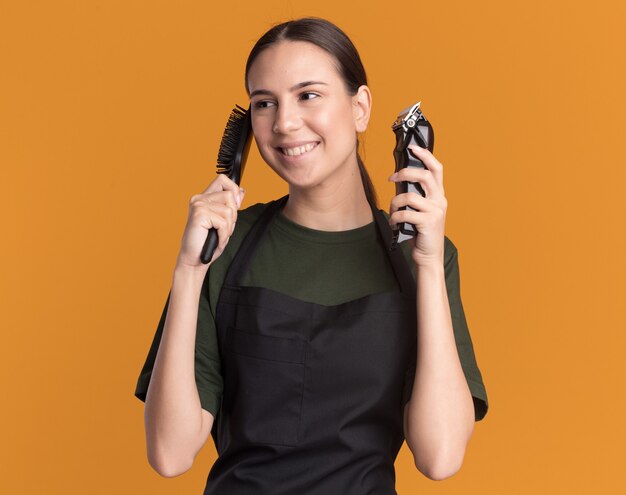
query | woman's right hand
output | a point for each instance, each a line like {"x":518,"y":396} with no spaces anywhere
{"x":216,"y":207}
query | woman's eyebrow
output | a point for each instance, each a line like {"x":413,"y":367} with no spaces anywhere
{"x":293,"y":88}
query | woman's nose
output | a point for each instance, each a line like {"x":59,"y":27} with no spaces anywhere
{"x":286,"y":119}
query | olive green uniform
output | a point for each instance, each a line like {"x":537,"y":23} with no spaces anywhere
{"x":327,"y":268}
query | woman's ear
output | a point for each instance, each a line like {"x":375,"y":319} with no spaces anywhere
{"x":362,"y":107}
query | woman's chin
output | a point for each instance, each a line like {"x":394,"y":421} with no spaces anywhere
{"x":297,"y":179}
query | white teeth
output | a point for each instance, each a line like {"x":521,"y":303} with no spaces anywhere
{"x":299,"y":149}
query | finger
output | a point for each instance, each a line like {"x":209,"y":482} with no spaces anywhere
{"x":414,"y":200}
{"x":225,"y":211}
{"x":221,"y":224}
{"x":423,"y":176}
{"x":212,"y":214}
{"x":401,"y":200}
{"x":413,"y":217}
{"x":208,"y":204}
{"x":429,"y":161}
{"x":237,"y":195}
{"x":222,"y":183}
{"x":425,"y":217}
{"x":228,"y":198}
{"x":417,"y":202}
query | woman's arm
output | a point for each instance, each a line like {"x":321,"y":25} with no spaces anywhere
{"x":439,"y":417}
{"x":176,"y":425}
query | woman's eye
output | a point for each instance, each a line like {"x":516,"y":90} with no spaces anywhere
{"x":308,"y":95}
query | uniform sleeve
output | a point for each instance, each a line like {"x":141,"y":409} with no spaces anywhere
{"x":207,"y":359}
{"x":461,"y":335}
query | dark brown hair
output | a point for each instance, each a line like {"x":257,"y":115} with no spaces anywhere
{"x":330,"y":38}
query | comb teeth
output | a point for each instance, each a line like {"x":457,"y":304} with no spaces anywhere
{"x":230,"y":140}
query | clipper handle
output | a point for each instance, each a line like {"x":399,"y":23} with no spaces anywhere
{"x":404,"y":158}
{"x":422,"y":136}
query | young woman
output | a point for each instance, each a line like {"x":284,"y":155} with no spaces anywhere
{"x":306,"y":348}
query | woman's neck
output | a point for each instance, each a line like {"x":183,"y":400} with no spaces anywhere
{"x":329,"y":209}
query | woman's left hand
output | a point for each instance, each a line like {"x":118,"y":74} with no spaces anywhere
{"x":430,"y":215}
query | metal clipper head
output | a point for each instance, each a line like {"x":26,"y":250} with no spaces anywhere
{"x":415,"y":128}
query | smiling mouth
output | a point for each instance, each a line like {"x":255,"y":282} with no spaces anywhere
{"x":299,"y":150}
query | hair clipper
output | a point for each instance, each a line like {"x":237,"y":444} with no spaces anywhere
{"x":410,"y":127}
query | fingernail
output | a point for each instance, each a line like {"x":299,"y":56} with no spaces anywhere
{"x":393,"y":177}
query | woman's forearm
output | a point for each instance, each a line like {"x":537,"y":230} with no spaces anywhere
{"x":439,"y":418}
{"x":173,"y":414}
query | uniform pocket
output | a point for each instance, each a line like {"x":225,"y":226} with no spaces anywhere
{"x":264,"y":387}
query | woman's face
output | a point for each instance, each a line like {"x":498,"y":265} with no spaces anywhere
{"x":303,"y":119}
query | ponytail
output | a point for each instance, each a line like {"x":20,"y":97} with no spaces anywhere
{"x":368,"y":186}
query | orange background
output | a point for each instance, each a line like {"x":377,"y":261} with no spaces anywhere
{"x":111,"y":114}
